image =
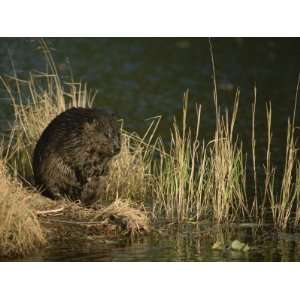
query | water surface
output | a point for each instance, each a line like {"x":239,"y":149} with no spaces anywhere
{"x":183,"y":243}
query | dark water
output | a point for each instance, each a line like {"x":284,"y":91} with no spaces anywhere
{"x":145,"y":77}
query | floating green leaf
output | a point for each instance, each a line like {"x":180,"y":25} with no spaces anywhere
{"x":235,"y":245}
{"x":239,"y":246}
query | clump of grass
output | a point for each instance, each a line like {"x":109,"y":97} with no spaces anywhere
{"x":130,"y":174}
{"x":122,"y":217}
{"x":195,"y":180}
{"x":227,"y":182}
{"x":20,"y":230}
{"x":227,"y":164}
{"x":282,"y":205}
{"x":178,"y":183}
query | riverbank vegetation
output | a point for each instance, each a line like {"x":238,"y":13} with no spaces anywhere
{"x":20,"y":230}
{"x":186,"y":180}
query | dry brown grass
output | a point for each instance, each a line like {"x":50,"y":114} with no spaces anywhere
{"x":20,"y":230}
{"x":130,"y":175}
{"x":227,"y":164}
{"x":122,"y":217}
{"x":118,"y":218}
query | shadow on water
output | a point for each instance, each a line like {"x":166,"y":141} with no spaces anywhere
{"x":144,"y":77}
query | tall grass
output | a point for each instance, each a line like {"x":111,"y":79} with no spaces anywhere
{"x":195,"y":180}
{"x":289,"y":191}
{"x":228,"y":169}
{"x":178,"y":183}
{"x":283,"y":203}
{"x":130,"y":174}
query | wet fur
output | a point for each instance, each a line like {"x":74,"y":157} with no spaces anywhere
{"x":71,"y":156}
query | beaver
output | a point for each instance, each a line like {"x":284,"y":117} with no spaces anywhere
{"x":71,"y":157}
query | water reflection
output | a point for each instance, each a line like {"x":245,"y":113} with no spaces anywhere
{"x":179,"y":243}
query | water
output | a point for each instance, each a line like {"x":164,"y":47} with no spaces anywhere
{"x":141,"y":78}
{"x":180,"y":243}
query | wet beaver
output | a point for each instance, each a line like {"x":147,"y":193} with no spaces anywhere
{"x":70,"y":159}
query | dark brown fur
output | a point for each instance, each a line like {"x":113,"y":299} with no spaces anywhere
{"x":71,"y":156}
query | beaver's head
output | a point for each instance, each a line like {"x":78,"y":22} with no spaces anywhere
{"x":104,"y":132}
